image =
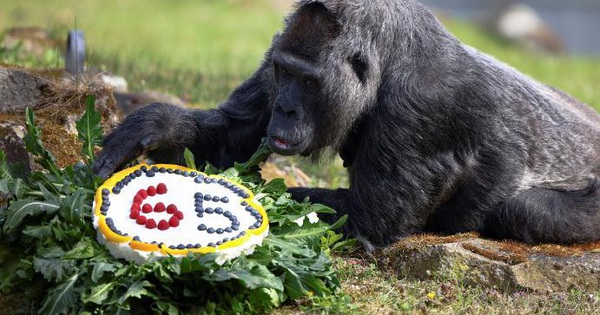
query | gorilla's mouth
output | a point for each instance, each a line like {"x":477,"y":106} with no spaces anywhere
{"x":284,"y":146}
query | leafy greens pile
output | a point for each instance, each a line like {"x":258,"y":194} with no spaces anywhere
{"x":48,"y":247}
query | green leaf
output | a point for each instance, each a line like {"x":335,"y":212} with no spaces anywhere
{"x":82,"y":250}
{"x":4,"y":171}
{"x":304,"y":233}
{"x":72,"y":208}
{"x":137,"y":290}
{"x":338,"y":224}
{"x":99,"y":293}
{"x":18,"y":210}
{"x":276,"y":187}
{"x":189,"y":158}
{"x":38,"y":231}
{"x":89,"y":129}
{"x":53,"y":269}
{"x":33,"y":144}
{"x":100,"y":268}
{"x":61,"y":298}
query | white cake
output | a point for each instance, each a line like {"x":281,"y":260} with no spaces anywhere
{"x":151,"y":211}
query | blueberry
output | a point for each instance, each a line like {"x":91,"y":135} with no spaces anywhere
{"x":244,"y":203}
{"x":172,"y":246}
{"x":180,"y":246}
{"x":150,"y":173}
{"x":219,"y":243}
{"x":202,"y":227}
{"x":189,"y":246}
{"x":207,"y":180}
{"x":198,"y":195}
{"x":235,"y":227}
{"x":213,"y":180}
{"x":178,"y":172}
{"x":224,"y":200}
{"x":225,"y":240}
{"x":197,"y":245}
{"x":249,"y":208}
{"x":209,"y":210}
{"x":228,"y":230}
{"x":200,"y":215}
{"x":193,"y":174}
{"x":138,"y":173}
{"x":105,"y":192}
{"x":162,"y":170}
{"x":210,"y":230}
{"x":221,"y":181}
{"x":154,"y":168}
{"x":198,"y":203}
{"x":219,"y":210}
{"x":185,"y":173}
{"x":211,"y":244}
{"x":216,"y":199}
{"x":143,"y":168}
{"x":207,"y":197}
{"x":227,"y":214}
{"x":219,"y":231}
{"x":170,"y":170}
{"x":136,"y":238}
{"x":198,"y":180}
{"x":132,"y":176}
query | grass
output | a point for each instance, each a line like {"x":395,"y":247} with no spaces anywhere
{"x":201,"y":49}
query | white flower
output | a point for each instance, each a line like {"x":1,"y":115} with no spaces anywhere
{"x":312,"y":218}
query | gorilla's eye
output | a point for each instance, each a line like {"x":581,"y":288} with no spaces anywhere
{"x":309,"y":82}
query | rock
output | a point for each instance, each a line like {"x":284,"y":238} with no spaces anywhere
{"x":57,"y":105}
{"x":20,"y":89}
{"x":507,"y":266}
{"x":521,"y":24}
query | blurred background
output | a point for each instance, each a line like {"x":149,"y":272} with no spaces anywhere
{"x":194,"y":52}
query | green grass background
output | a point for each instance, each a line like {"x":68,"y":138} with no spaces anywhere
{"x":201,"y":49}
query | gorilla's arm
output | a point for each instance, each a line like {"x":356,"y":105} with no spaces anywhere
{"x":220,"y":136}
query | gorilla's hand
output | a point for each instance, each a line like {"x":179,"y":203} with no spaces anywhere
{"x":162,"y":130}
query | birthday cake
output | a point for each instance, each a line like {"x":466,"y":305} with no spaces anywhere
{"x":151,"y":211}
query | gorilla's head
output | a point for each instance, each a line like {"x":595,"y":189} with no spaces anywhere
{"x":321,"y":82}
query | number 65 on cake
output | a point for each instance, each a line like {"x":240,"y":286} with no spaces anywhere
{"x":147,"y":212}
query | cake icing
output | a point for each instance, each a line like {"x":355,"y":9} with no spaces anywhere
{"x":147,"y":212}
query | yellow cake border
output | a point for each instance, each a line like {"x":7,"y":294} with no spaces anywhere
{"x":148,"y":247}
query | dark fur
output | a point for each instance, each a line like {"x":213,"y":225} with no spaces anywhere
{"x":436,"y":136}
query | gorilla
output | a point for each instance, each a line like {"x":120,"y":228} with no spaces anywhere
{"x":436,"y":136}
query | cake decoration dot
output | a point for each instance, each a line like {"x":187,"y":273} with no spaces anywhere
{"x":150,"y":224}
{"x":161,"y":189}
{"x":163,"y":225}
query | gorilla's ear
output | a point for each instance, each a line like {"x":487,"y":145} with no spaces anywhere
{"x":360,"y":65}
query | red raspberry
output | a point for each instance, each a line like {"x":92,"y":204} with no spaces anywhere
{"x":146,"y":208}
{"x":141,"y":220}
{"x":142,"y":193}
{"x":173,"y":221}
{"x":134,"y":214}
{"x":163,"y":225}
{"x":151,"y":191}
{"x":171,"y":209}
{"x":159,"y":207}
{"x":150,"y":224}
{"x":135,"y":206}
{"x":138,"y":199}
{"x":161,"y":189}
{"x":179,"y":215}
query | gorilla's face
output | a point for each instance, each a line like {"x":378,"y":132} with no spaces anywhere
{"x":295,"y":118}
{"x":300,"y":110}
